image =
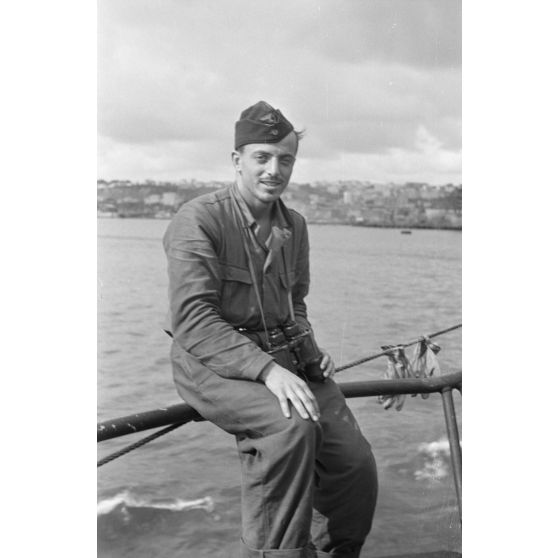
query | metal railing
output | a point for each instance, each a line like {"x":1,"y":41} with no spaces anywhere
{"x":176,"y":415}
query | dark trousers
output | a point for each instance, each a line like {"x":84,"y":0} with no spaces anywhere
{"x":308,"y":489}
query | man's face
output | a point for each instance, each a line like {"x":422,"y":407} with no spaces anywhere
{"x":264,"y":170}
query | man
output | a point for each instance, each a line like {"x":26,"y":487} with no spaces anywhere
{"x":238,"y":272}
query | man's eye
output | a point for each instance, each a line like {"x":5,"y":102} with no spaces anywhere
{"x":261,"y":159}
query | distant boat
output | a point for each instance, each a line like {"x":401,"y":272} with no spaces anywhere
{"x":406,"y":232}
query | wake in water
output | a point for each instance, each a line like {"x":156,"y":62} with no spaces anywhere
{"x":436,"y":460}
{"x":126,"y":501}
{"x":431,"y":462}
{"x":132,"y":524}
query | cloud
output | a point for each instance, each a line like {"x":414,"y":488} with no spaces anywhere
{"x":166,"y":160}
{"x":415,"y":32}
{"x":362,"y":77}
{"x":426,"y":160}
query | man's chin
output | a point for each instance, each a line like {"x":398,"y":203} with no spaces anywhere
{"x":270,"y":197}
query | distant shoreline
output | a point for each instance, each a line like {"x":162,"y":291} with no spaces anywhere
{"x":408,"y":206}
{"x":312,"y":222}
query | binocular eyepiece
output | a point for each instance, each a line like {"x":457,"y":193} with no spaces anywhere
{"x":295,"y":348}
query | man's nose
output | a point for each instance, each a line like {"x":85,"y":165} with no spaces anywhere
{"x":273,"y":166}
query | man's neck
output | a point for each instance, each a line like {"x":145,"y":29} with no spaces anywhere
{"x":261,"y":211}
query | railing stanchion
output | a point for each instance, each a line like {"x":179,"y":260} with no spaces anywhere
{"x":453,"y":436}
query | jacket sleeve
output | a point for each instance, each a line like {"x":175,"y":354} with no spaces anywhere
{"x":195,"y":301}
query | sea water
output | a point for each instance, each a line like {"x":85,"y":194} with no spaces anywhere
{"x":179,"y":496}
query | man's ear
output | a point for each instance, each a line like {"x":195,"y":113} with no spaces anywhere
{"x":235,"y":157}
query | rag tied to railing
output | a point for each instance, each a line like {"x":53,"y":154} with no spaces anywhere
{"x":423,"y":364}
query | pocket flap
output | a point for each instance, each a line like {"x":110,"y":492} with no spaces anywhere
{"x":233,"y":273}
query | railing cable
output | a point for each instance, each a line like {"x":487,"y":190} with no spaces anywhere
{"x":139,"y":443}
{"x":378,"y":355}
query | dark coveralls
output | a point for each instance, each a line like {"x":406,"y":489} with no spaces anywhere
{"x":298,"y":476}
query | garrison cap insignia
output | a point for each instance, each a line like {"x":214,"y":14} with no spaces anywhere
{"x":270,"y":118}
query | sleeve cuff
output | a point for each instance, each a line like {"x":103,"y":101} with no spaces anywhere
{"x":257,"y":366}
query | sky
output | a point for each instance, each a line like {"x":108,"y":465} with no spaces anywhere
{"x":376,"y":85}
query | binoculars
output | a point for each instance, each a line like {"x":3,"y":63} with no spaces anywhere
{"x":295,"y":348}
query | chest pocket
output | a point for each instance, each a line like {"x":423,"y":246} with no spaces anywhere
{"x":235,"y":274}
{"x":238,"y":301}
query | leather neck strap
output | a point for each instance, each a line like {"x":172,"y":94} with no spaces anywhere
{"x":245,"y":243}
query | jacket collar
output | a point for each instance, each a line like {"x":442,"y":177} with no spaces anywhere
{"x":281,"y":226}
{"x":280,"y":216}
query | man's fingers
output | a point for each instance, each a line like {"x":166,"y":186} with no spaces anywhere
{"x":289,"y":389}
{"x":284,"y":403}
{"x":326,"y":364}
{"x":306,"y":394}
{"x":301,"y":402}
{"x":330,"y":371}
{"x":299,"y":407}
{"x":307,"y":399}
{"x":304,"y":405}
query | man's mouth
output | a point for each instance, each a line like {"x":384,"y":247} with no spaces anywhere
{"x":271,"y":183}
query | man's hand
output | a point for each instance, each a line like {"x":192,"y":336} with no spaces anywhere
{"x":327,"y":365}
{"x":286,"y":386}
